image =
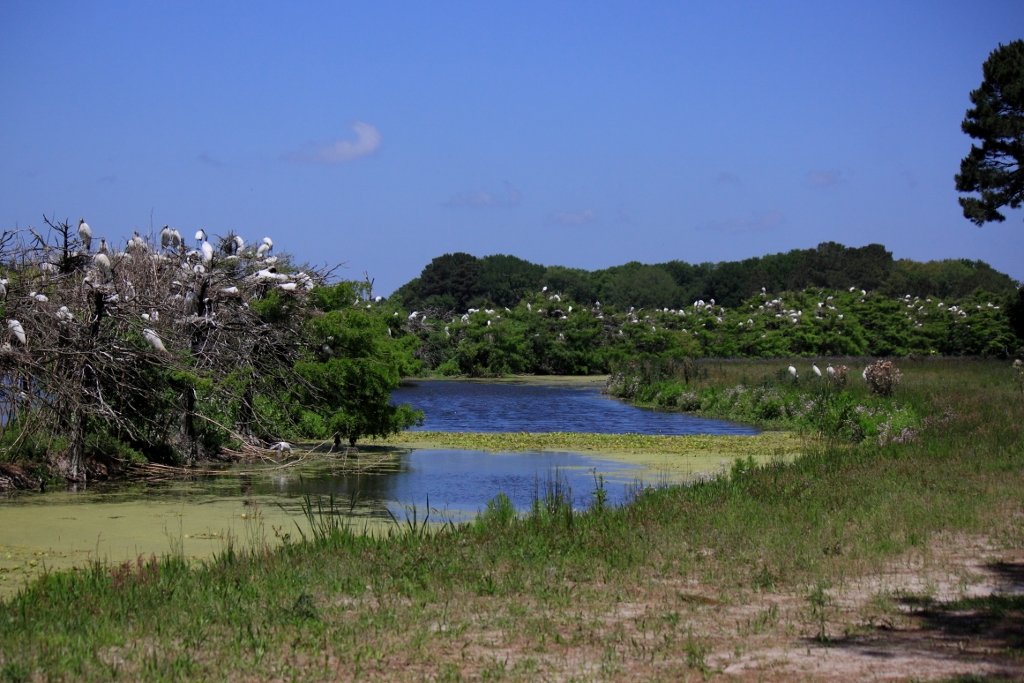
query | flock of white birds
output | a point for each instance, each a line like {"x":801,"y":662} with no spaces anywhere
{"x":193,"y":272}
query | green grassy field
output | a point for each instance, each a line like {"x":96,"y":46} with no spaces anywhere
{"x":684,"y":581}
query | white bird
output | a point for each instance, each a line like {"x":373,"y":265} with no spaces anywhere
{"x":165,"y":237}
{"x":864,"y":374}
{"x":207,"y":249}
{"x":288,"y":286}
{"x":176,"y":240}
{"x":84,"y":233}
{"x":261,"y":250}
{"x":3,"y":289}
{"x":42,"y":298}
{"x":229,"y":290}
{"x":543,"y":289}
{"x":239,"y":243}
{"x":831,"y":371}
{"x":814,"y":366}
{"x":153,"y":339}
{"x":269,"y":242}
{"x":64,"y":315}
{"x":200,"y":236}
{"x":103,"y":246}
{"x":19,"y":331}
{"x":101,"y":261}
{"x":282,"y":446}
{"x":792,"y":371}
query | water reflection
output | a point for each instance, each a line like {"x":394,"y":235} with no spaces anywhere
{"x":456,"y":406}
{"x":458,"y":482}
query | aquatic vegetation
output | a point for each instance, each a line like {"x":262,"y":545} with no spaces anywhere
{"x":772,"y":443}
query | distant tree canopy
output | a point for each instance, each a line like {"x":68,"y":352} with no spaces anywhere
{"x":997,"y":119}
{"x":462,"y":281}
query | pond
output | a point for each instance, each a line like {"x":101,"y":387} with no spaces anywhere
{"x":534,"y":406}
{"x":120,"y":520}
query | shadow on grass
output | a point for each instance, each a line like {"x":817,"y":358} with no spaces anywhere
{"x":984,"y":630}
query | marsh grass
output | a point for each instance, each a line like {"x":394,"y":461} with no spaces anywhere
{"x":338,"y":603}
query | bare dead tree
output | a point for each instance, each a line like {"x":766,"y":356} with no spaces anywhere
{"x":151,"y":344}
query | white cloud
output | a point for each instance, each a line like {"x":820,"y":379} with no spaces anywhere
{"x":824,"y":178}
{"x":368,"y":140}
{"x":574,"y":218}
{"x":487,"y":198}
{"x":768,"y":220}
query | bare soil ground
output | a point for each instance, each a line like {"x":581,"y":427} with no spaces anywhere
{"x":952,"y":611}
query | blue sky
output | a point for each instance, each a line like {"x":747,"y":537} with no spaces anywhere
{"x":582,"y":134}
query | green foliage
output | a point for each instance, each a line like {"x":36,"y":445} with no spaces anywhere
{"x":553,"y":334}
{"x":458,"y":281}
{"x":349,"y":372}
{"x":997,"y":119}
{"x":812,"y":404}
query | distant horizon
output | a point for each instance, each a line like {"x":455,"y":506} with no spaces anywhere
{"x":585,"y":135}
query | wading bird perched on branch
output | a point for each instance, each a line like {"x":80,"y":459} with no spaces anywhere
{"x":165,"y":237}
{"x":200,"y":236}
{"x":154,"y":340}
{"x":15,"y":327}
{"x":85,"y":234}
{"x":207,"y":249}
{"x":103,"y":263}
{"x":792,"y":371}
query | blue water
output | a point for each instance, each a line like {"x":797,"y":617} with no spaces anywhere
{"x":454,"y":406}
{"x":455,"y":483}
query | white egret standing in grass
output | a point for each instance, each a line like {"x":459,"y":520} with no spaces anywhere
{"x":84,"y":234}
{"x":831,"y":372}
{"x":814,"y":366}
{"x":792,"y":371}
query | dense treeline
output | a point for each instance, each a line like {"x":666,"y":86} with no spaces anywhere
{"x":460,"y":281}
{"x":549,"y":333}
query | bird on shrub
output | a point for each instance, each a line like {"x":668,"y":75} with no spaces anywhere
{"x":15,"y":327}
{"x":153,"y":340}
{"x":84,"y":233}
